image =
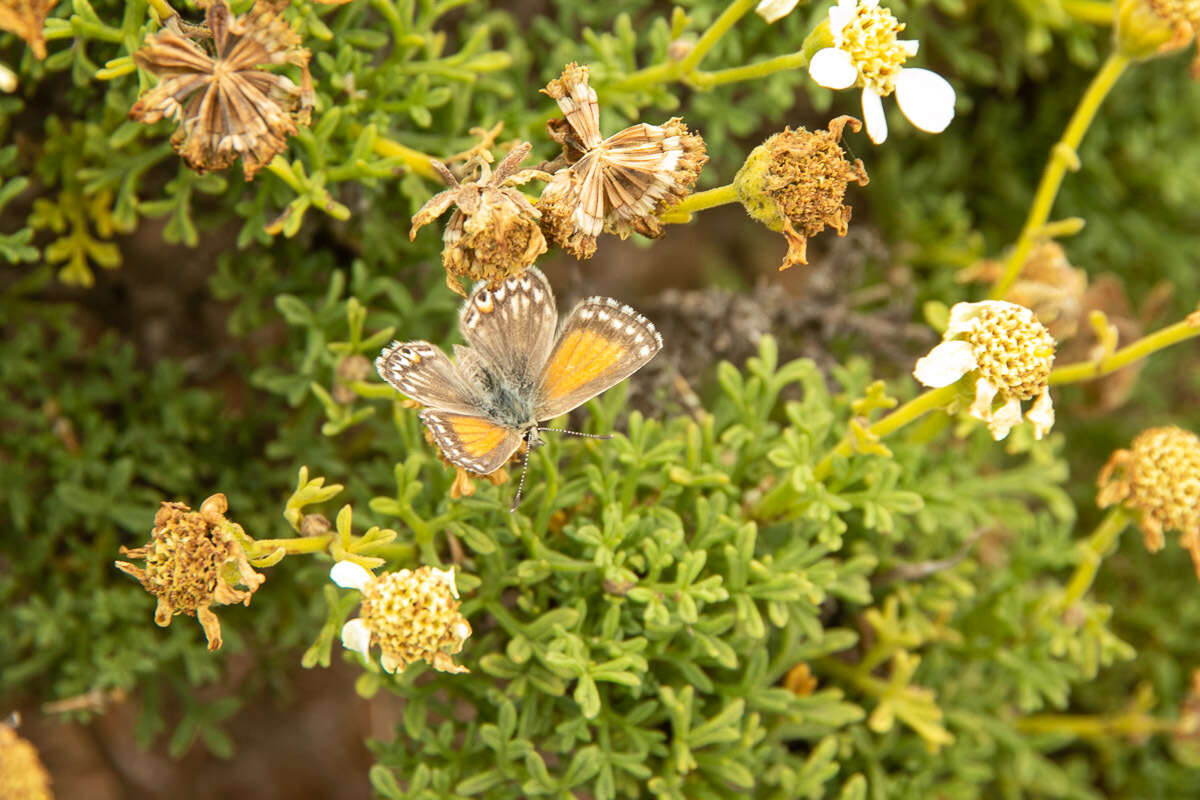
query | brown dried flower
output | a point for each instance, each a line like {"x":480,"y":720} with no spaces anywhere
{"x":493,"y":233}
{"x":193,"y":559}
{"x":350,"y":370}
{"x":22,"y":774}
{"x":620,"y":184}
{"x":795,"y":182}
{"x":1048,"y":285}
{"x":225,"y":100}
{"x":1158,"y":478}
{"x":411,"y":614}
{"x":27,"y":19}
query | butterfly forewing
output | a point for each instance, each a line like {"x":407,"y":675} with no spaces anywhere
{"x":422,"y":372}
{"x":601,"y":343}
{"x":511,"y":327}
{"x":470,"y":441}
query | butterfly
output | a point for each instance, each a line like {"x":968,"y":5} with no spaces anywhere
{"x":519,"y":368}
{"x":619,"y":184}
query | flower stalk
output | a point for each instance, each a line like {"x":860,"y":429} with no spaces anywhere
{"x":1063,"y":156}
{"x":1098,"y":546}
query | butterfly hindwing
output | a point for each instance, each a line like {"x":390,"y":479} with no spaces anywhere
{"x":601,"y":343}
{"x":511,"y":328}
{"x":470,"y":441}
{"x":422,"y":372}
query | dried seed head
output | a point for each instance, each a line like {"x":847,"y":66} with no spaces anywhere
{"x":1049,"y":286}
{"x":224,"y":97}
{"x":1149,"y":28}
{"x":27,"y":19}
{"x":795,"y":182}
{"x":617,"y":185}
{"x":1008,"y":355}
{"x":350,"y":369}
{"x":193,"y":559}
{"x":494,"y":232}
{"x":411,"y":615}
{"x":1158,"y":478}
{"x":22,"y":775}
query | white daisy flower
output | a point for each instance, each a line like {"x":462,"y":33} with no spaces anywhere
{"x":411,"y":614}
{"x":1007,"y":354}
{"x":866,"y":52}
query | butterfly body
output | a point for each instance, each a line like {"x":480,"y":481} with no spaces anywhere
{"x":519,"y":367}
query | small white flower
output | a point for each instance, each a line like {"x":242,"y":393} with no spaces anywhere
{"x":771,"y":10}
{"x":1007,"y":353}
{"x":866,"y":52}
{"x":411,"y":614}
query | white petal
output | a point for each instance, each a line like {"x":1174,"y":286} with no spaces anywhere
{"x":840,"y":16}
{"x":771,"y":10}
{"x":1042,"y":414}
{"x":389,"y":663}
{"x":1003,"y":420}
{"x":356,"y":637}
{"x":962,"y":315}
{"x":945,"y":364}
{"x":447,"y":576}
{"x":8,"y":80}
{"x":874,"y":117}
{"x":349,"y":575}
{"x":985,"y":394}
{"x":833,"y":68}
{"x":926,"y":98}
{"x":910,"y":46}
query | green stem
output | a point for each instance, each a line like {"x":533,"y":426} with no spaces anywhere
{"x":1100,"y":727}
{"x":1099,"y":545}
{"x":1086,"y":370}
{"x":293,"y":546}
{"x":914,"y":409}
{"x":415,"y":160}
{"x":721,"y":25}
{"x":710,"y":198}
{"x":1097,"y":12}
{"x":747,"y":72}
{"x":1062,"y":157}
{"x":162,"y":9}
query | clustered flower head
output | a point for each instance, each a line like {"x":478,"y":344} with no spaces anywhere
{"x":1148,"y":28}
{"x":193,"y":561}
{"x":411,"y":614}
{"x":795,"y":182}
{"x":1158,"y":479}
{"x":867,"y":53}
{"x":494,"y":232}
{"x":227,"y":102}
{"x":1006,"y":353}
{"x":22,"y":774}
{"x":620,"y":184}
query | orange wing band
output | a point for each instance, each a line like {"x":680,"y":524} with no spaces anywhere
{"x":581,"y":357}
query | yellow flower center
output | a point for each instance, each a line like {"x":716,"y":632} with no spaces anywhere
{"x":1164,"y":477}
{"x":870,"y":39}
{"x":413,"y":615}
{"x":1013,"y":351}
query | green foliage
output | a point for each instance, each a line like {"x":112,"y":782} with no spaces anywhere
{"x":636,"y":619}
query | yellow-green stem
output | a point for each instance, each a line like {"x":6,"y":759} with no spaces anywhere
{"x":748,"y":72}
{"x":1099,"y":545}
{"x":1097,"y":12}
{"x":1086,"y":370}
{"x":1063,"y":156}
{"x":721,"y":25}
{"x":293,"y":546}
{"x":1133,"y":724}
{"x":162,"y":9}
{"x":914,"y":409}
{"x":710,"y":198}
{"x":415,"y":160}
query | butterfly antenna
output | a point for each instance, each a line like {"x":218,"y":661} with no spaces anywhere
{"x":521,"y":484}
{"x":578,"y":433}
